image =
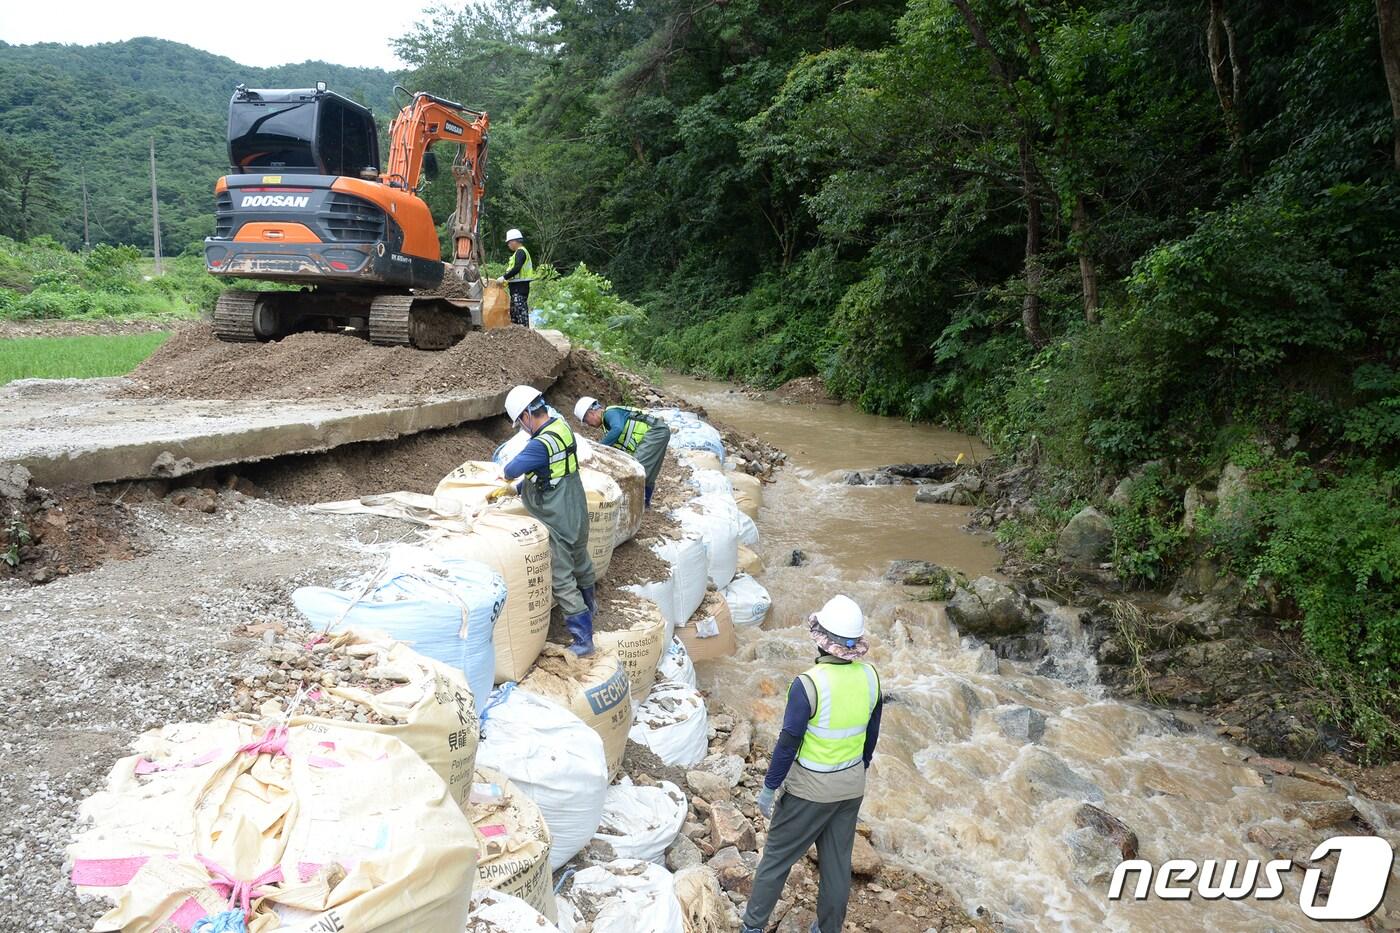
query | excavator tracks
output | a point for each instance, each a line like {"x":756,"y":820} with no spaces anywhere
{"x":391,"y":321}
{"x":414,"y":321}
{"x":236,"y":315}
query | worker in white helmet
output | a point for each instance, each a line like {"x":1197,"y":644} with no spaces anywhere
{"x":639,"y":433}
{"x":830,"y":728}
{"x":552,"y":491}
{"x":518,"y":277}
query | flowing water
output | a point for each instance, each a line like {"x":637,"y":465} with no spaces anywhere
{"x":948,"y":792}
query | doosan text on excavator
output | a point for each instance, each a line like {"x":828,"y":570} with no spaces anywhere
{"x":306,"y":203}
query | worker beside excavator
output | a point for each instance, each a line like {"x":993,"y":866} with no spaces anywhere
{"x":639,"y":433}
{"x":552,"y":491}
{"x":518,"y":277}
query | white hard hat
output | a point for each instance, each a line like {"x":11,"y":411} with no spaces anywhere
{"x":582,"y":405}
{"x":520,"y":398}
{"x":842,"y":617}
{"x":514,"y":234}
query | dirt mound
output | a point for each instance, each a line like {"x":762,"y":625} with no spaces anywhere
{"x":586,"y":375}
{"x":45,"y":535}
{"x":194,"y":365}
{"x":805,"y":390}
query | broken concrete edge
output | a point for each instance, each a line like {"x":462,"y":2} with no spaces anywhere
{"x":167,"y":459}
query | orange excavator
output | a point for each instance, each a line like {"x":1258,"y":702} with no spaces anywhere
{"x":305,"y":203}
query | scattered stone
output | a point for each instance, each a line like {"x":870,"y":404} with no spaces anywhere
{"x":707,"y":785}
{"x":1320,"y":813}
{"x":945,"y":494}
{"x":1087,"y":538}
{"x":986,"y":607}
{"x":682,"y":853}
{"x":1050,"y":778}
{"x":14,"y":481}
{"x":1301,"y":790}
{"x":735,"y":869}
{"x":740,"y":741}
{"x":728,"y":767}
{"x":1021,"y":724}
{"x":798,"y":558}
{"x":1108,"y":826}
{"x":920,"y":573}
{"x":729,"y":827}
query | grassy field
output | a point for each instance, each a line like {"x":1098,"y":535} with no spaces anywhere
{"x":79,"y":357}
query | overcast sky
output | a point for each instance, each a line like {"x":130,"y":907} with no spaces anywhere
{"x":346,"y":32}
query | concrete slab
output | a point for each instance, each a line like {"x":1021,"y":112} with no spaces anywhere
{"x":77,"y":431}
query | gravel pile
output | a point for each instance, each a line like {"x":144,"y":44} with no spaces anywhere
{"x":298,"y":671}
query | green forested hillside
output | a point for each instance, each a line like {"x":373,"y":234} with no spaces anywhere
{"x":67,"y":110}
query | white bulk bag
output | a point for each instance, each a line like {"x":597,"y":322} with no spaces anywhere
{"x":680,"y":594}
{"x":554,"y":757}
{"x":676,"y":666}
{"x":497,"y":912}
{"x":641,"y":822}
{"x":711,"y":482}
{"x":443,"y":607}
{"x":622,"y":896}
{"x":748,"y":531}
{"x":595,"y":688}
{"x":715,"y":519}
{"x":673,"y":723}
{"x":748,"y":601}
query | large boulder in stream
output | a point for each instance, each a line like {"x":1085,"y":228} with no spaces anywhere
{"x":1087,"y":538}
{"x":988,"y":608}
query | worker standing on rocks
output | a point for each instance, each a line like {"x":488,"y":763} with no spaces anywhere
{"x":552,"y":491}
{"x":642,"y":435}
{"x":518,"y":277}
{"x":830,"y":728}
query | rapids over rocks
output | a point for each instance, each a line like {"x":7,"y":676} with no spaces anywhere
{"x":953,"y":791}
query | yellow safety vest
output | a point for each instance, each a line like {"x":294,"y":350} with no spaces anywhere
{"x":527,"y":269}
{"x":846,"y":698}
{"x":637,"y":425}
{"x":559,"y":441}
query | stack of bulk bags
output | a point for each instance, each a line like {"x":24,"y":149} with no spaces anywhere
{"x":330,"y":828}
{"x":641,"y":822}
{"x":622,"y":896}
{"x":637,"y":635}
{"x":748,"y":493}
{"x":748,"y":601}
{"x":517,"y":548}
{"x":631,"y":479}
{"x":604,"y":513}
{"x":427,"y":705}
{"x":444,"y":607}
{"x":680,"y":594}
{"x":556,"y":760}
{"x":715,"y":520}
{"x":674,"y":724}
{"x":688,"y":432}
{"x":709,"y":633}
{"x":512,"y":842}
{"x":676,"y":665}
{"x":594,"y":688}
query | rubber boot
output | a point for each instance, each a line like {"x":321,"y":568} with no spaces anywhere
{"x":647,"y":502}
{"x":589,"y":595}
{"x":581,"y":627}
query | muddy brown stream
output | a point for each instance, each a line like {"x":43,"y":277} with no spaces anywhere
{"x":991,"y":818}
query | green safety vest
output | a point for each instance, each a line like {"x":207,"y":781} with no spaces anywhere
{"x":527,"y":269}
{"x":558,"y":439}
{"x":846,"y":697}
{"x":637,"y":425}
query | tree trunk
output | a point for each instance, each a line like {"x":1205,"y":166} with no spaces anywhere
{"x":24,"y":179}
{"x":1388,"y":17}
{"x":1088,"y":272}
{"x":1030,"y":306}
{"x":1229,"y":86}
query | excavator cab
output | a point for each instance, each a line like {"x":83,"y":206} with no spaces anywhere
{"x":305,"y":203}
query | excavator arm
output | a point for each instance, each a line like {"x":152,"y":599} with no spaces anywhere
{"x":427,"y":120}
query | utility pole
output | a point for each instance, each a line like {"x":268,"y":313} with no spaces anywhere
{"x":155,"y":210}
{"x":87,"y":240}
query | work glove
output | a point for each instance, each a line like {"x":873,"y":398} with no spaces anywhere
{"x":765,"y":802}
{"x":501,"y":492}
{"x":501,"y":280}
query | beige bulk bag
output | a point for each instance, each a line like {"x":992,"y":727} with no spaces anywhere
{"x":331,"y":828}
{"x":748,"y":493}
{"x":595,"y":689}
{"x":631,"y":479}
{"x":749,"y":561}
{"x":637,"y":635}
{"x":423,"y":703}
{"x":512,"y":842}
{"x":516,"y":547}
{"x":470,"y":483}
{"x":701,"y":460}
{"x":604,"y":512}
{"x":495,"y":305}
{"x":710,"y":632}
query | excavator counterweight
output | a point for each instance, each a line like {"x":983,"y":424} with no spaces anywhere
{"x":305,"y":204}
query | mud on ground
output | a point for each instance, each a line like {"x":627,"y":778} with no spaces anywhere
{"x":46,"y":534}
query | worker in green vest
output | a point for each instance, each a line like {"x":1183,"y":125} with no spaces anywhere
{"x":830,"y":728}
{"x":518,"y":276}
{"x":642,"y":435}
{"x":552,"y":492}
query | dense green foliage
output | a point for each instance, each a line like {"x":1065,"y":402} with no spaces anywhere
{"x":69,"y":112}
{"x":40,"y":280}
{"x":78,"y":357}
